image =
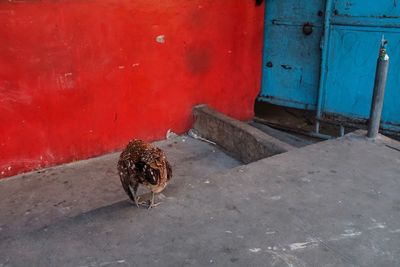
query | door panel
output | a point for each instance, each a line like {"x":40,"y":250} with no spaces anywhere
{"x":353,"y":51}
{"x":352,"y":64}
{"x":368,"y":8}
{"x":292,"y":58}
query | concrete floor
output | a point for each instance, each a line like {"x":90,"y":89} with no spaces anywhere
{"x":334,"y":203}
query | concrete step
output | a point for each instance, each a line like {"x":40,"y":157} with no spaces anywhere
{"x":239,"y":139}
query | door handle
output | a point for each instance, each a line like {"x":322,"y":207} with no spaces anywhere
{"x":308,"y":28}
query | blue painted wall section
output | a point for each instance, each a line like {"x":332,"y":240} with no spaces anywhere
{"x":355,"y":30}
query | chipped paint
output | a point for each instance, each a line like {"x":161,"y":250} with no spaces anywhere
{"x":160,"y":39}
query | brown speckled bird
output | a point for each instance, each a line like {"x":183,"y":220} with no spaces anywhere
{"x":142,"y":163}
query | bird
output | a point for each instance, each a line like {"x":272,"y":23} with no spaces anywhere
{"x":141,"y":163}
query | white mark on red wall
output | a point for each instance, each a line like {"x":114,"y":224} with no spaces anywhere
{"x":66,"y":81}
{"x":160,"y":39}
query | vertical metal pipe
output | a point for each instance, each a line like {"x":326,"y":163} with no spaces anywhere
{"x":324,"y":57}
{"x":341,"y":131}
{"x":379,"y":90}
{"x":317,"y":125}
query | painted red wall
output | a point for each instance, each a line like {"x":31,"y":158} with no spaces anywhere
{"x":81,"y":78}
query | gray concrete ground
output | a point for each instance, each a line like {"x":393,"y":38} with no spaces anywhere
{"x":334,"y":203}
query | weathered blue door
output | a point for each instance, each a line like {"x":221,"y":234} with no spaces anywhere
{"x":294,"y":54}
{"x":291,"y":56}
{"x":355,"y":33}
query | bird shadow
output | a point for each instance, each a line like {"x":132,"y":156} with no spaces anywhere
{"x":117,"y":210}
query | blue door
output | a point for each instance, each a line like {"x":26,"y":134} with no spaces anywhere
{"x":355,"y":33}
{"x":293,"y":57}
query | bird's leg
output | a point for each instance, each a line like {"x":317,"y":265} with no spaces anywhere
{"x":136,"y":197}
{"x":152,"y":204}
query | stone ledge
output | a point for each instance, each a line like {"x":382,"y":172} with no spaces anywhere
{"x":240,"y":140}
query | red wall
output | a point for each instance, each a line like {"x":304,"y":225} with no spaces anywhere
{"x":81,"y":78}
